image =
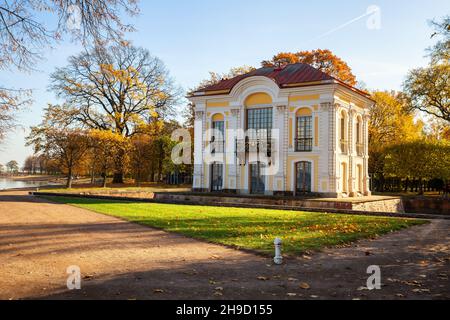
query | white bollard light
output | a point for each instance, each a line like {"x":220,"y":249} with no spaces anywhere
{"x":278,"y":258}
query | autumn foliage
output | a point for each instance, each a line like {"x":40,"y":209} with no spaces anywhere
{"x":324,"y":60}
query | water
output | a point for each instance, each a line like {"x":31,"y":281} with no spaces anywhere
{"x":6,"y":183}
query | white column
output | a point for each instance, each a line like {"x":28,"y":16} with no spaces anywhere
{"x":332,"y":146}
{"x":366,"y":181}
{"x":237,"y":117}
{"x":281,"y":147}
{"x":351,"y":178}
{"x":198,"y":150}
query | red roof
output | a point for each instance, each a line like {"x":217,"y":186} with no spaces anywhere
{"x":291,"y":74}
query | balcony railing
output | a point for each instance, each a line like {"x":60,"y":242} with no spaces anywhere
{"x":360,"y":149}
{"x":344,"y":146}
{"x":249,"y":145}
{"x":217,"y":146}
{"x":303,"y":144}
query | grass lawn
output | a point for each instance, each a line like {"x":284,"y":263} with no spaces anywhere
{"x":249,"y":228}
{"x":90,"y":189}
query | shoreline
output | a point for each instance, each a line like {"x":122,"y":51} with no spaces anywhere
{"x":36,"y":178}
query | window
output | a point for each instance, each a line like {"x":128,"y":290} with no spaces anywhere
{"x":359,"y":140}
{"x":257,"y":185}
{"x":260,"y":119}
{"x":259,"y":126}
{"x":217,"y":140}
{"x":343,"y":133}
{"x":216,"y":177}
{"x":303,"y":177}
{"x":304,"y":139}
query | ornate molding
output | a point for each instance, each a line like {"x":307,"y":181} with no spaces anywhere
{"x":281,"y":108}
{"x":235,"y":112}
{"x":325,"y":106}
{"x":199,"y":114}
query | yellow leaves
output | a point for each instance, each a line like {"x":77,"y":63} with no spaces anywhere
{"x":304,"y":286}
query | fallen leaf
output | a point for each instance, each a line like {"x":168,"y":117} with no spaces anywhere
{"x":362,"y":288}
{"x":263,"y":278}
{"x":291,"y":294}
{"x":218,"y":289}
{"x":217,"y":293}
{"x":421,"y":290}
{"x":304,"y":285}
{"x":158,"y":291}
{"x":292,"y":279}
{"x":314,"y":296}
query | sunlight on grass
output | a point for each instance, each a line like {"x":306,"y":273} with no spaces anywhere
{"x":249,"y":228}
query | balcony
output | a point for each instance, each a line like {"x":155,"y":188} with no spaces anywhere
{"x":250,"y":145}
{"x":217,"y":146}
{"x":343,"y":146}
{"x":360,"y":149}
{"x":303,"y":144}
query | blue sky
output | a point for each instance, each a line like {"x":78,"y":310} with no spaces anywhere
{"x":194,"y":37}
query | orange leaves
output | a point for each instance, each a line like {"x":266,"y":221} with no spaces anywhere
{"x":322,"y":59}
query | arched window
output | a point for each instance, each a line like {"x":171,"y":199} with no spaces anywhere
{"x":218,"y":134}
{"x":303,"y":132}
{"x":343,"y":129}
{"x":359,"y":137}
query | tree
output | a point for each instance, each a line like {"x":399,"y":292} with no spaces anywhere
{"x":419,"y":160}
{"x":2,"y":168}
{"x":391,"y":122}
{"x":26,"y":33}
{"x":11,"y":101}
{"x":62,"y":142}
{"x":428,"y":90}
{"x":214,"y":78}
{"x":119,"y":88}
{"x":68,"y":146}
{"x":13,"y":166}
{"x":324,"y":60}
{"x":140,"y":156}
{"x":440,"y":52}
{"x":108,"y":148}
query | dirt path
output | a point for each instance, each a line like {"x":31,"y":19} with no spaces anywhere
{"x":121,"y":260}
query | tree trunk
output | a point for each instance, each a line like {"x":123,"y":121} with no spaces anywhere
{"x":104,"y":180}
{"x":421,"y":191}
{"x":119,"y":168}
{"x":69,"y":179}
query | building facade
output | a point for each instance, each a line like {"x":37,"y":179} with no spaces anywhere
{"x":282,"y":131}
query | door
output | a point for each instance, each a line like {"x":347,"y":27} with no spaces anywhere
{"x":304,"y":170}
{"x":216,"y":177}
{"x":257,"y":185}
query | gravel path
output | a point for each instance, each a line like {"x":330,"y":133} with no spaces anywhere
{"x":121,"y":260}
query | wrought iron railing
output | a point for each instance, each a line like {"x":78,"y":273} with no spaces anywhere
{"x":217,"y":146}
{"x":263,"y":146}
{"x":303,"y":144}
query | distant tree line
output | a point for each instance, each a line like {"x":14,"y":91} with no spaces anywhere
{"x":117,"y":118}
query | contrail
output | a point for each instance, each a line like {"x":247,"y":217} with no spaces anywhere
{"x":344,"y":25}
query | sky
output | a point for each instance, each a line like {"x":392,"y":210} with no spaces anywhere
{"x":198,"y":36}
